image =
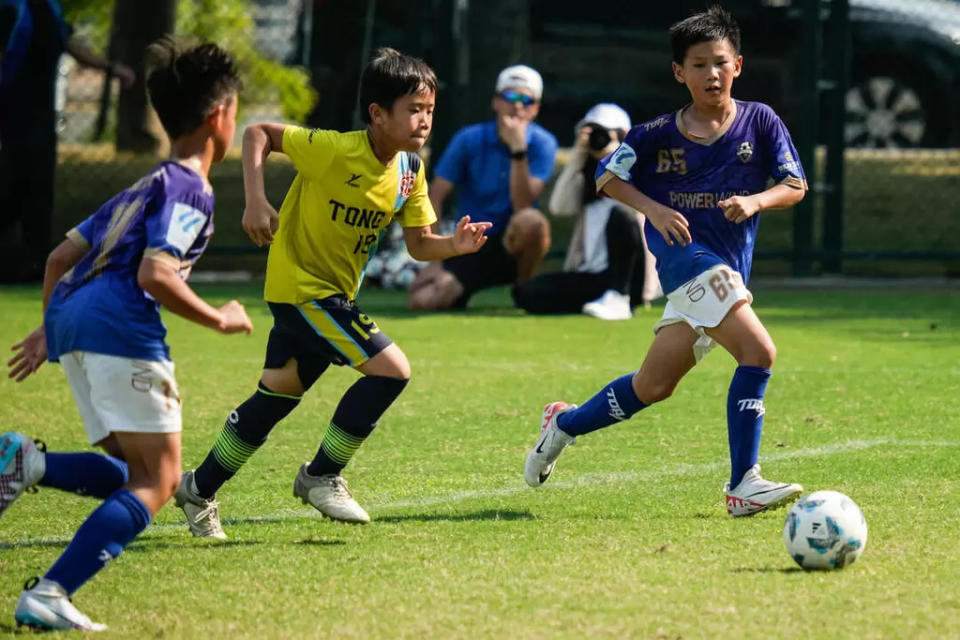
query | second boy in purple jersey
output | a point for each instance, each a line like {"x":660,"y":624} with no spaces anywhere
{"x":102,"y":293}
{"x":700,"y":175}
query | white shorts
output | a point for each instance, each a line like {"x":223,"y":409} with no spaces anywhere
{"x":122,"y":394}
{"x":704,"y":302}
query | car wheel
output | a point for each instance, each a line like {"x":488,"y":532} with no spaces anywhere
{"x":884,"y":112}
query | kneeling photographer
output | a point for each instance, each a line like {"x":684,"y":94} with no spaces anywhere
{"x":608,"y":269}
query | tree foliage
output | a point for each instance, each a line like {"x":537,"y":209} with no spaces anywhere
{"x":229,"y":23}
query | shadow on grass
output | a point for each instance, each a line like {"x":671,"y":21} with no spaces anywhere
{"x":15,"y":630}
{"x":486,"y":514}
{"x":143,"y":544}
{"x":152,"y":545}
{"x":270,"y":520}
{"x":320,"y":542}
{"x":766,"y":570}
{"x":32,"y":544}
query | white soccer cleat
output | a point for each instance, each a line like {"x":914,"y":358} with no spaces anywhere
{"x":203,"y":515}
{"x":612,"y":305}
{"x":45,"y":605}
{"x":22,"y":465}
{"x":543,"y":457}
{"x":754,"y":494}
{"x":329,"y":495}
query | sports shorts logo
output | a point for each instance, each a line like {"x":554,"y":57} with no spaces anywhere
{"x":616,"y":411}
{"x":751,"y":404}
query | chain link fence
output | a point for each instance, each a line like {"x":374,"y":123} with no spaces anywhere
{"x":897,"y":123}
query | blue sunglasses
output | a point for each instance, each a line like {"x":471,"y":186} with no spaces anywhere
{"x":516,"y":96}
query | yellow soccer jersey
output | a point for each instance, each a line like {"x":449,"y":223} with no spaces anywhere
{"x":339,"y":203}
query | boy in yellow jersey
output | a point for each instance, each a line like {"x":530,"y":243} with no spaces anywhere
{"x":348,"y":188}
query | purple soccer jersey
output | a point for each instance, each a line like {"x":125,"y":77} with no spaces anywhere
{"x":691,"y":175}
{"x":98,"y":306}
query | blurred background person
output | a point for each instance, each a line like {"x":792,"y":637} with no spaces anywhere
{"x":608,"y":269}
{"x":499,"y":168}
{"x":33,"y":35}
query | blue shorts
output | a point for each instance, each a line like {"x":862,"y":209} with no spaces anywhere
{"x":319,"y":333}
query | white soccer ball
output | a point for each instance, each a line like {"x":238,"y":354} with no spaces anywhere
{"x":825,"y":530}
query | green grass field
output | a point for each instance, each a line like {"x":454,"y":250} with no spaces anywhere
{"x":629,"y":539}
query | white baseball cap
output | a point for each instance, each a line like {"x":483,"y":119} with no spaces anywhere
{"x":607,"y":115}
{"x":520,"y":76}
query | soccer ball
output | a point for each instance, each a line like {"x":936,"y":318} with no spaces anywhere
{"x":825,"y":530}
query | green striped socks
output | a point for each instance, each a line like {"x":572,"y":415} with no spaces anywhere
{"x":339,"y":446}
{"x":230,"y":451}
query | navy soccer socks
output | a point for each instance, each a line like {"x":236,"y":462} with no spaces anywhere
{"x":614,"y":403}
{"x":354,"y":419}
{"x":100,"y":539}
{"x":245,"y":431}
{"x":745,"y":419}
{"x":84,"y":473}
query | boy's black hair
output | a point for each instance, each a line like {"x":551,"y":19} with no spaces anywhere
{"x":185,"y":84}
{"x":714,"y":24}
{"x":390,"y":75}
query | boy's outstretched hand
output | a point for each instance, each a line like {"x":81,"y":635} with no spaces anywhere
{"x":468,"y":236}
{"x":31,"y":353}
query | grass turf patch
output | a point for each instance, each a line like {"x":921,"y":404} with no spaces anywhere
{"x":628,"y":539}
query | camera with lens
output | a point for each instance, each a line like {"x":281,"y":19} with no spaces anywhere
{"x":599,"y":137}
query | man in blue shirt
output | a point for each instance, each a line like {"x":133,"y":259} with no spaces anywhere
{"x":499,"y":168}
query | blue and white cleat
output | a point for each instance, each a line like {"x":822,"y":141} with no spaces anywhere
{"x":22,"y":465}
{"x":45,"y":605}
{"x":552,"y":441}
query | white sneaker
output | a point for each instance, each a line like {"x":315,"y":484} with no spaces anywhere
{"x":754,"y":494}
{"x":612,"y":305}
{"x":22,"y":465}
{"x":203,"y":515}
{"x":543,"y":457}
{"x":329,"y":495}
{"x":45,"y":605}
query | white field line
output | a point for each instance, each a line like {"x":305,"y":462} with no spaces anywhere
{"x":599,"y":479}
{"x":633,"y":477}
{"x":583,"y":480}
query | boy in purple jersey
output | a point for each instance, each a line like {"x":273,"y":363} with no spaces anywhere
{"x":700,"y":175}
{"x":102,"y":291}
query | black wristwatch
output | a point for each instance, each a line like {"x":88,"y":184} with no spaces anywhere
{"x":518,"y":155}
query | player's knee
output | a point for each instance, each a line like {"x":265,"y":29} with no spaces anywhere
{"x":762,"y":355}
{"x":653,"y":389}
{"x":656,"y":392}
{"x":400,"y":371}
{"x":285,"y":380}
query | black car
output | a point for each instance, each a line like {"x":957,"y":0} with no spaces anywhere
{"x":904,"y":76}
